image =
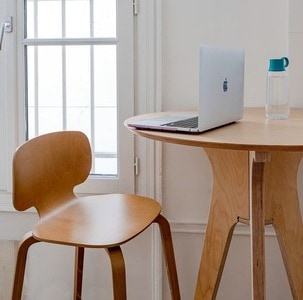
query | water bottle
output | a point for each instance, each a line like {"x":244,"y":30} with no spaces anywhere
{"x":277,"y":103}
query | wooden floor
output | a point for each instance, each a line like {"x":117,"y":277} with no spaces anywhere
{"x":7,"y":265}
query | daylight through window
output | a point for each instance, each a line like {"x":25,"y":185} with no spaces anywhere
{"x":71,"y":73}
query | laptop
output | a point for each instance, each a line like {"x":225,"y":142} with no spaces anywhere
{"x":221,"y":94}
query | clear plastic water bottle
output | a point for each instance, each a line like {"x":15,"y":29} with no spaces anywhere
{"x":277,"y":102}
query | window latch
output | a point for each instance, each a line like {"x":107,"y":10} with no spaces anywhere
{"x":6,"y":26}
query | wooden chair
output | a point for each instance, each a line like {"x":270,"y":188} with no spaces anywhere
{"x":45,"y":171}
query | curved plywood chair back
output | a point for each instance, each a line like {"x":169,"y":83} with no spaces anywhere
{"x":47,"y":168}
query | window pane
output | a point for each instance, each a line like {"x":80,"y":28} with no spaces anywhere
{"x":105,"y":128}
{"x":79,"y":118}
{"x":104,"y":18}
{"x":105,"y":79}
{"x":70,"y":18}
{"x":77,"y":18}
{"x":44,"y":75}
{"x":49,"y":80}
{"x":44,"y":88}
{"x":31,"y":119}
{"x":78,"y":66}
{"x":107,"y":166}
{"x":44,"y":18}
{"x":50,"y":119}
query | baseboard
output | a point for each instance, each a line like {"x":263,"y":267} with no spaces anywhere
{"x":191,"y":227}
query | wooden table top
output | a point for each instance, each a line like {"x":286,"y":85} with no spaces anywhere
{"x":253,"y":133}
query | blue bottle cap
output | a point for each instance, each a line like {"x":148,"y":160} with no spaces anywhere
{"x":278,"y":64}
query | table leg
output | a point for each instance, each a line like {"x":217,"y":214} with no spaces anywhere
{"x":257,"y":217}
{"x":282,"y":207}
{"x":230,"y":199}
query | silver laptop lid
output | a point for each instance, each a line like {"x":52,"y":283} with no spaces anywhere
{"x":221,"y":95}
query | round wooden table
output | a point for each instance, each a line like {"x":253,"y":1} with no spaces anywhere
{"x":255,"y":163}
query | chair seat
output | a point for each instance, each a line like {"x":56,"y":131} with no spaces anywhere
{"x":98,"y":221}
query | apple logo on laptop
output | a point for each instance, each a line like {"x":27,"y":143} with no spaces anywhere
{"x":225,"y":85}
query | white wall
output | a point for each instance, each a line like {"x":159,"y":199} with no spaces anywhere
{"x":295,"y":51}
{"x":266,"y":29}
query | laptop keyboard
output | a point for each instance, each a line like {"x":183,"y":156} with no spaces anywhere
{"x":186,"y":123}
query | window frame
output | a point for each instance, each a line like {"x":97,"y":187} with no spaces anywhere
{"x":13,"y":108}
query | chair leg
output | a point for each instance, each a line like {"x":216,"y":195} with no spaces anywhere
{"x":78,"y":275}
{"x":118,"y":272}
{"x":169,"y":256}
{"x":24,"y":245}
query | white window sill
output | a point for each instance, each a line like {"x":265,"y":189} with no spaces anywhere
{"x":6,"y":203}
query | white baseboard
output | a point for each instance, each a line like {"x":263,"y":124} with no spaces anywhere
{"x":191,"y":227}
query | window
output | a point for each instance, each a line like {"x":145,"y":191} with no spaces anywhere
{"x":75,"y":69}
{"x":71,"y":73}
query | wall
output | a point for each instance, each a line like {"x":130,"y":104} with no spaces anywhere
{"x":7,"y":251}
{"x":295,"y":51}
{"x":265,"y":29}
